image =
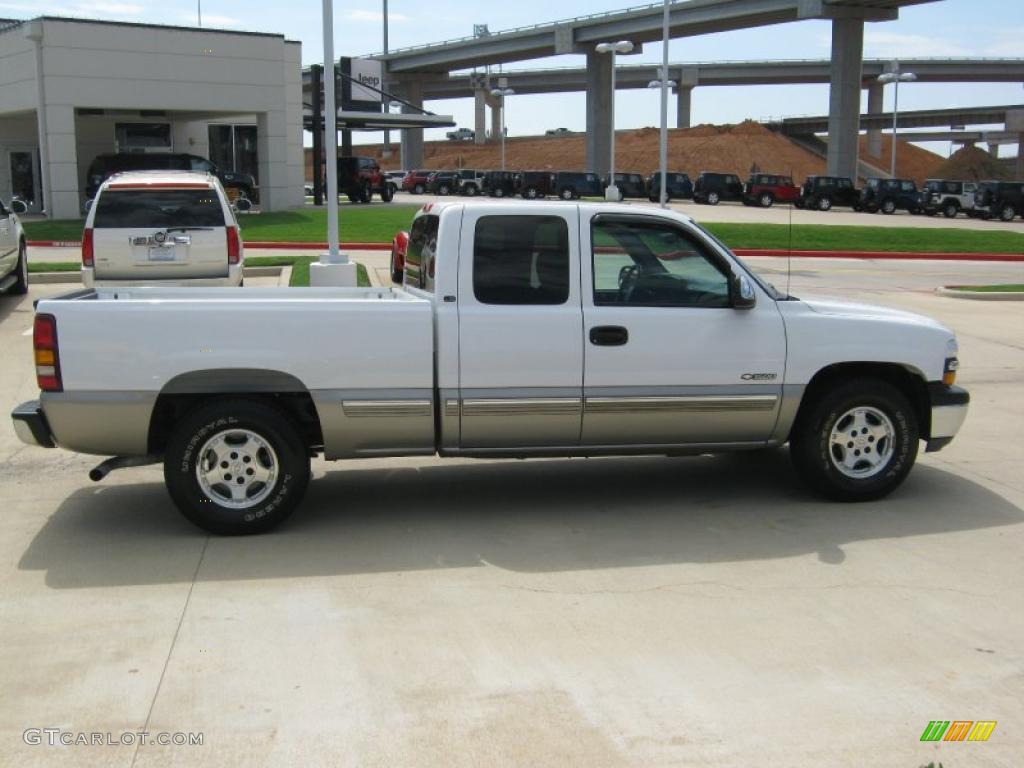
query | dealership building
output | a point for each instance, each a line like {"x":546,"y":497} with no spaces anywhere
{"x":73,"y":89}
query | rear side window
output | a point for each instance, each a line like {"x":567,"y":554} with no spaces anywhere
{"x":419,"y":256}
{"x":521,"y":260}
{"x":141,"y":208}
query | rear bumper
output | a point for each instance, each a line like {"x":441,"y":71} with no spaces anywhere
{"x":233,"y":278}
{"x":31,"y":426}
{"x":948,"y":411}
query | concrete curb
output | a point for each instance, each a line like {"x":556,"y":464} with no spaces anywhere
{"x":953,"y":293}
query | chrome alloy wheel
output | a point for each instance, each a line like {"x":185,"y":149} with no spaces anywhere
{"x":237,"y":468}
{"x":861,"y":442}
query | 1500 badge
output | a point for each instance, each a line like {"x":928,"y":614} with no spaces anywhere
{"x":759,"y":376}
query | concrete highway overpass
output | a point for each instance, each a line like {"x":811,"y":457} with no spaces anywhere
{"x":413,"y":70}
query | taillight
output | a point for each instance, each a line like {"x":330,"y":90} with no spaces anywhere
{"x":234,"y":246}
{"x":87,"y":248}
{"x":44,"y":344}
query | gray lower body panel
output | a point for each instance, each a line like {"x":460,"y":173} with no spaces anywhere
{"x":102,"y":423}
{"x":374,"y":422}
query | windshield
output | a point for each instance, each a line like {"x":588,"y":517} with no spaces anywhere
{"x":770,"y":289}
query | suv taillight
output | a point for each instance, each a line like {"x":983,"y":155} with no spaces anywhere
{"x":234,"y":246}
{"x":87,"y":248}
{"x":44,"y":344}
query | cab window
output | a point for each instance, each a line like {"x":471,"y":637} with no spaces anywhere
{"x":649,"y":264}
{"x":521,"y":260}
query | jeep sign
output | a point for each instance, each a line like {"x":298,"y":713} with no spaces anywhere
{"x":367,"y":72}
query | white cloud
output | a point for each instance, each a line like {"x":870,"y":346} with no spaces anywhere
{"x":1007,"y":43}
{"x":375,"y":16}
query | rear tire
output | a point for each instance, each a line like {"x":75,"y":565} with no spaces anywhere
{"x":499,"y":192}
{"x":951,"y":210}
{"x":825,"y":203}
{"x":20,"y":287}
{"x":858,"y":442}
{"x":888,"y":207}
{"x":419,"y":189}
{"x":248,"y":440}
{"x":766,"y":200}
{"x":1007,"y":213}
{"x":387,"y":193}
{"x":470,"y":190}
{"x":712,"y":198}
{"x":567,"y":194}
{"x":396,"y":273}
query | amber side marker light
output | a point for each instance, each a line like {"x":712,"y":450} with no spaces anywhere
{"x":949,"y":372}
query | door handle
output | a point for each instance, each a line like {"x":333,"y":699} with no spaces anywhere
{"x":608,"y":336}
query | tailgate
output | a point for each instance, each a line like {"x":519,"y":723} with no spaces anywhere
{"x":142,"y":234}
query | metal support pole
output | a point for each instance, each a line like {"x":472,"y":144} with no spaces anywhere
{"x":333,"y":256}
{"x":387,"y":133}
{"x":663,"y":138}
{"x":501,"y":106}
{"x":895,"y":114}
{"x":611,"y":119}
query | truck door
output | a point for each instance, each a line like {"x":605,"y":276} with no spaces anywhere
{"x":520,"y":347}
{"x":668,"y":360}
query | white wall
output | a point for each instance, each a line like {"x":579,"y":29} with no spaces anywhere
{"x":15,"y":133}
{"x":138,"y":67}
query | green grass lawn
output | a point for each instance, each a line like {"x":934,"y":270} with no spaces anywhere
{"x":1004,"y":288}
{"x":379,"y":223}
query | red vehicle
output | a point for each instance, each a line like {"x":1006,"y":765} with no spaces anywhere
{"x":398,"y":248}
{"x":416,"y":182}
{"x":360,"y":178}
{"x":766,"y":189}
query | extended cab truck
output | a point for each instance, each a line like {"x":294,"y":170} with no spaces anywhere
{"x":540,"y":329}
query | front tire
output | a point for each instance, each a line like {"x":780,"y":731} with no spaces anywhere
{"x":567,"y":194}
{"x":236,"y":467}
{"x":858,"y":442}
{"x":419,"y":189}
{"x":396,"y":273}
{"x":766,"y":200}
{"x":951,"y":210}
{"x":1007,"y":213}
{"x":888,"y":207}
{"x":713,"y":198}
{"x":825,"y":203}
{"x":20,"y":287}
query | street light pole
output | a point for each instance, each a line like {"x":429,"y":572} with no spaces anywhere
{"x":611,"y":192}
{"x":501,"y":93}
{"x":663,"y":137}
{"x":387,"y":133}
{"x":330,"y":134}
{"x":895,"y":77}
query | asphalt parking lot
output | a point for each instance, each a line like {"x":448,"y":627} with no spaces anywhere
{"x":703,"y":611}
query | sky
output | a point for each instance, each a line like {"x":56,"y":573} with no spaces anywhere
{"x":948,"y":28}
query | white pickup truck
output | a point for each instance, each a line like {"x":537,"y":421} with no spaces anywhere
{"x":522,"y":329}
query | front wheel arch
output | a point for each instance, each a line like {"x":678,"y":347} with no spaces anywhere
{"x":910,"y":381}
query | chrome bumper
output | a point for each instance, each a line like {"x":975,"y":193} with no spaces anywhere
{"x":30,"y":425}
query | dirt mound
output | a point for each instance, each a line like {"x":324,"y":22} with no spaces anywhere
{"x":740,"y":149}
{"x":912,"y":162}
{"x":973,"y":164}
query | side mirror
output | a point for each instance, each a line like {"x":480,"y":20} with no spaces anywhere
{"x":19,"y":206}
{"x":242,"y":204}
{"x":743,"y":295}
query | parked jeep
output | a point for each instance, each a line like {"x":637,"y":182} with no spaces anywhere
{"x":443,"y":182}
{"x":630,"y":185}
{"x":470,"y":183}
{"x":678,"y":187}
{"x":823,"y":192}
{"x":765,"y":189}
{"x":572,"y":185}
{"x":712,"y":188}
{"x":104,"y":166}
{"x":500,"y":183}
{"x":536,"y":185}
{"x":360,"y":178}
{"x":415,"y":182}
{"x":948,"y":197}
{"x":890,"y":195}
{"x":1000,"y":199}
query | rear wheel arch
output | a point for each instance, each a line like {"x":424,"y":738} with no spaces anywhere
{"x":189,"y":392}
{"x":909,"y":381}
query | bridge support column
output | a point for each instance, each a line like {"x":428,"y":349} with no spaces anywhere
{"x":844,"y":97}
{"x":684,"y":107}
{"x":1020,"y":158}
{"x":412,"y":138}
{"x":599,"y":112}
{"x":480,"y":115}
{"x":876,"y":105}
{"x":993,"y":149}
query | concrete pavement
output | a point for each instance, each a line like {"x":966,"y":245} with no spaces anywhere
{"x":610,"y":612}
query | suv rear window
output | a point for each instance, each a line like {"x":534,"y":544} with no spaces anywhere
{"x":158,"y":208}
{"x":419,"y":255}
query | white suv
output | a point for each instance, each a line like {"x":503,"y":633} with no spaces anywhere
{"x":13,"y":250}
{"x":166,"y":227}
